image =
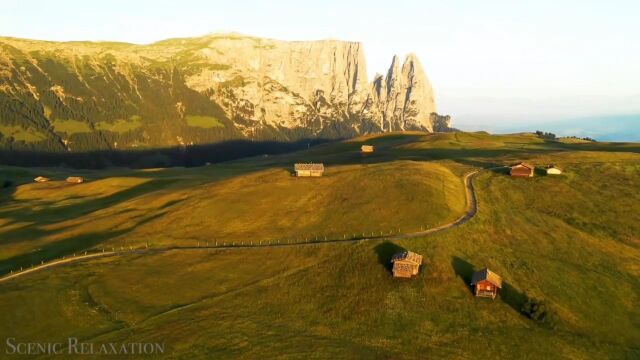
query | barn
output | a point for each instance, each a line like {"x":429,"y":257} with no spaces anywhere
{"x":75,"y":179}
{"x":367,"y":148}
{"x":406,"y":264}
{"x":309,"y":169}
{"x":522,"y":170}
{"x":486,"y":283}
{"x":553,"y":170}
{"x":41,"y":179}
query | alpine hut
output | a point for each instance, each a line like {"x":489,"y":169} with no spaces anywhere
{"x":75,"y":179}
{"x":522,"y":170}
{"x":486,"y":283}
{"x":367,"y":148}
{"x":406,"y":264}
{"x":553,"y":170}
{"x":41,"y":179}
{"x":309,"y":169}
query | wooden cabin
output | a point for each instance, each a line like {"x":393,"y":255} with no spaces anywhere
{"x":367,"y":148}
{"x":406,"y":264}
{"x":41,"y":179}
{"x":75,"y":179}
{"x":522,"y":170}
{"x":310,"y":169}
{"x":553,"y":170}
{"x":486,"y":283}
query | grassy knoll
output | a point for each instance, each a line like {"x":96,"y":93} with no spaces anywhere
{"x":570,"y":241}
{"x":205,"y":122}
{"x":70,"y":126}
{"x":20,"y":134}
{"x":44,"y":221}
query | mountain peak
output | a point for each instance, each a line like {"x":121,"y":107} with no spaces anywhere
{"x":184,"y":91}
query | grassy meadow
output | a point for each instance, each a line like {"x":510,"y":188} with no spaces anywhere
{"x":570,"y":241}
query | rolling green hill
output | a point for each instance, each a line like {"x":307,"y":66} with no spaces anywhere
{"x":569,"y":242}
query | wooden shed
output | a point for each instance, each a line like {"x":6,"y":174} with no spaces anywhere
{"x":75,"y":179}
{"x":406,"y":264}
{"x":367,"y":148}
{"x":522,"y":170}
{"x":486,"y":283}
{"x":41,"y":179}
{"x":553,"y":170}
{"x":309,"y":169}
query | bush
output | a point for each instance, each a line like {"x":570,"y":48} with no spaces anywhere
{"x":5,"y":183}
{"x":537,"y":311}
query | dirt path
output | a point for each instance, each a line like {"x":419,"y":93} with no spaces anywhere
{"x":470,"y":212}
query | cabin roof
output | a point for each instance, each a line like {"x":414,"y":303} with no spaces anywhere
{"x":524,"y":164}
{"x":486,"y":274}
{"x":407,"y":256}
{"x":552,"y":166}
{"x":41,"y":178}
{"x":366,"y":146}
{"x":308,"y":166}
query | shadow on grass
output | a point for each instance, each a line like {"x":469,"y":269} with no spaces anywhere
{"x":52,"y":215}
{"x":385,"y":252}
{"x":58,"y":249}
{"x":512,"y":297}
{"x":464,"y":270}
{"x":540,"y":172}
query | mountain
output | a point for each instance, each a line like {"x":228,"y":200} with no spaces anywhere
{"x":85,"y":96}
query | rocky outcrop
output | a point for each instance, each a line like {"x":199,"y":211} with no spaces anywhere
{"x":201,"y":90}
{"x":403,"y":99}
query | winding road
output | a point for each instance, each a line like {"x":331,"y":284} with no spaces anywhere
{"x":470,"y":212}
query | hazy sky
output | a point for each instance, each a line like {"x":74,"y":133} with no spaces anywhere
{"x":489,"y":61}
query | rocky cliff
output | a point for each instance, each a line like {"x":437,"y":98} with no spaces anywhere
{"x":78,"y":96}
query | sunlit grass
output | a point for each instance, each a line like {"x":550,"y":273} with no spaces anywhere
{"x":570,"y":240}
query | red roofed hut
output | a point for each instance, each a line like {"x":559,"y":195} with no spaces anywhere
{"x":522,"y":170}
{"x":486,"y":283}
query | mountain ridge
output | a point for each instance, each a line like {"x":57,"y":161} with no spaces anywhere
{"x":79,"y":96}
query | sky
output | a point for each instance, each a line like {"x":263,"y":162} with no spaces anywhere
{"x":490,"y":62}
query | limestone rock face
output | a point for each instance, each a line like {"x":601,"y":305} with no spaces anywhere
{"x":201,"y":90}
{"x":316,"y":83}
{"x":282,"y":83}
{"x":403,"y":100}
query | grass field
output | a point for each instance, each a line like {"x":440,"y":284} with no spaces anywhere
{"x":120,"y":126}
{"x":570,"y":241}
{"x":205,"y":122}
{"x":20,"y":134}
{"x":70,"y":126}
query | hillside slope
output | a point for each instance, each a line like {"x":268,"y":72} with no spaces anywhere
{"x":568,"y":241}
